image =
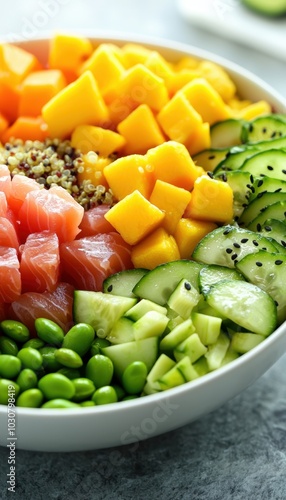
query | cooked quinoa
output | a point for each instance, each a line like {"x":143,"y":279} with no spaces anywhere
{"x":51,"y":163}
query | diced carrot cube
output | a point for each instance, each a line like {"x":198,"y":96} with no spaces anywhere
{"x":157,"y":248}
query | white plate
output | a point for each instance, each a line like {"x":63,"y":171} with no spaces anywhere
{"x":130,"y":421}
{"x":230,"y":19}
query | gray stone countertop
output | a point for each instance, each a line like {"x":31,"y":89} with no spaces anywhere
{"x":236,"y":452}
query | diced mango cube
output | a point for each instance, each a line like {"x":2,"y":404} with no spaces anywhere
{"x":134,"y":217}
{"x":9,"y":100}
{"x":172,"y":200}
{"x":159,"y":66}
{"x":140,"y":131}
{"x":200,"y":139}
{"x":211,"y":200}
{"x":68,"y":52}
{"x":91,"y":138}
{"x":189,"y":232}
{"x":206,"y":100}
{"x":187,"y":62}
{"x":92,"y":169}
{"x":15,"y":64}
{"x":3,"y":124}
{"x":105,"y":67}
{"x":255,"y":109}
{"x":79,"y":103}
{"x":38,"y":88}
{"x":218,"y":78}
{"x":179,"y":79}
{"x":129,"y":173}
{"x":134,"y":53}
{"x":171,"y":162}
{"x":179,"y":119}
{"x":157,"y":248}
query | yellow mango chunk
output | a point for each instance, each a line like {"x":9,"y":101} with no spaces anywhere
{"x":206,"y":100}
{"x":105,"y":67}
{"x":159,"y":66}
{"x":253,"y":110}
{"x":179,"y":79}
{"x":134,"y":53}
{"x":140,"y":131}
{"x":187,"y":62}
{"x":172,"y":200}
{"x":179,"y":119}
{"x":157,"y":248}
{"x":67,"y":53}
{"x":189,"y":232}
{"x":211,"y":200}
{"x":16,"y":64}
{"x":134,"y":217}
{"x":171,"y":162}
{"x":92,"y":170}
{"x":90,"y":138}
{"x":218,"y":78}
{"x":129,"y":173}
{"x":200,"y":139}
{"x":237,"y":104}
{"x":79,"y":103}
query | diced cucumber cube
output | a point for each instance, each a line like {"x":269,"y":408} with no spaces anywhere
{"x":186,"y":368}
{"x":231,"y":355}
{"x":142,"y":307}
{"x":172,"y":378}
{"x":243,"y":342}
{"x":122,"y":331}
{"x":177,"y":335}
{"x":207,"y":327}
{"x":152,"y":324}
{"x":216,"y":352}
{"x":201,"y":366}
{"x":184,"y":298}
{"x":191,"y":347}
{"x":162,"y":366}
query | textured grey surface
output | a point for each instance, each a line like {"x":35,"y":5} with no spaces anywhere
{"x":238,"y":451}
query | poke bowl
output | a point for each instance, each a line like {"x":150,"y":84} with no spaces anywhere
{"x":192,"y":311}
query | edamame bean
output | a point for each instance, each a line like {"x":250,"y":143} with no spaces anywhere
{"x":70,"y":373}
{"x":35,"y":343}
{"x":15,"y":330}
{"x":99,"y":369}
{"x":27,"y":379}
{"x":9,"y":390}
{"x":31,"y":358}
{"x":60,"y":403}
{"x":49,"y":331}
{"x":97,"y":345}
{"x":134,"y":377}
{"x":79,"y":338}
{"x":50,"y":363}
{"x":105,"y":395}
{"x":10,"y":366}
{"x":119,"y":391}
{"x":69,"y":358}
{"x":8,"y":346}
{"x":31,"y":398}
{"x":87,"y":403}
{"x":84,"y":388}
{"x":56,"y":385}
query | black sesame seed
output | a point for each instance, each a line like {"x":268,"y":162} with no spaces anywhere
{"x":260,"y":182}
{"x":236,"y":245}
{"x":264,"y":130}
{"x":228,"y":250}
{"x":234,"y":256}
{"x":267,"y":228}
{"x":269,"y":167}
{"x":255,"y":243}
{"x":187,"y":285}
{"x":258,"y":227}
{"x":251,"y":178}
{"x":273,"y":135}
{"x":210,"y":174}
{"x":211,"y":157}
{"x":227,"y":231}
{"x":110,"y":288}
{"x":278,"y":262}
{"x":283,"y":243}
{"x":244,"y":240}
{"x":259,"y":264}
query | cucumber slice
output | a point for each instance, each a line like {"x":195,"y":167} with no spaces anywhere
{"x":121,"y":332}
{"x":275,"y":229}
{"x":158,"y":284}
{"x":258,"y":205}
{"x":268,"y":271}
{"x":226,"y":133}
{"x":226,"y":245}
{"x":217,"y":351}
{"x":241,"y":185}
{"x":276,"y":211}
{"x":267,"y":7}
{"x":270,"y":163}
{"x":245,"y":304}
{"x":100,"y":310}
{"x":264,"y":128}
{"x":210,"y":158}
{"x":122,"y":283}
{"x":235,"y":159}
{"x":211,"y":274}
{"x":266,"y":184}
{"x":122,"y":355}
{"x":242,"y":342}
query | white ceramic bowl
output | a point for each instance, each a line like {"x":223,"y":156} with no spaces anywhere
{"x":131,"y":421}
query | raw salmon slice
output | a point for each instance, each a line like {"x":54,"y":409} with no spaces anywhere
{"x":40,"y":262}
{"x":53,"y":210}
{"x":5,"y":181}
{"x":3,"y":204}
{"x":88,"y":261}
{"x":10,"y":277}
{"x":20,"y":187}
{"x":94,"y":222}
{"x":56,"y":306}
{"x":8,"y":235}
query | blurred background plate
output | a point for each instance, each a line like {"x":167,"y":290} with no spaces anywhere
{"x":230,"y":19}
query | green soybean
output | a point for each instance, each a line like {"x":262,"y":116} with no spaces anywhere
{"x":31,"y":358}
{"x":8,"y":346}
{"x":15,"y":330}
{"x":99,"y":369}
{"x":31,"y":398}
{"x":119,"y":391}
{"x":49,"y":331}
{"x":97,"y":345}
{"x":87,"y":403}
{"x":134,"y":377}
{"x":105,"y":395}
{"x":27,"y":379}
{"x":50,"y":363}
{"x":79,"y":338}
{"x":9,"y":391}
{"x":84,"y":388}
{"x":60,"y":403}
{"x":56,"y":385}
{"x":10,"y":366}
{"x":69,"y":358}
{"x":70,"y":373}
{"x":35,"y":343}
